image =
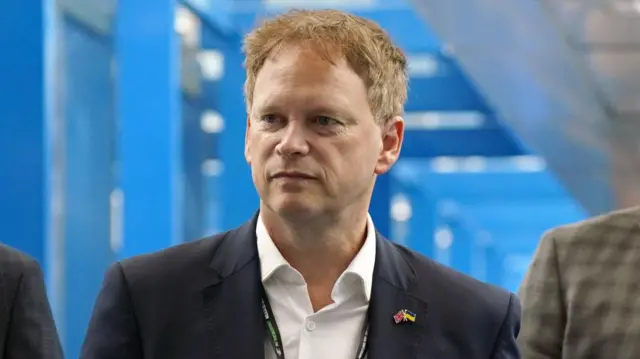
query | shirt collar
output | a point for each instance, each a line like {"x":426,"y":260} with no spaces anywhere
{"x":362,"y":265}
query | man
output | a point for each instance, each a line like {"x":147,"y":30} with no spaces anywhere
{"x":27,"y":329}
{"x":581,"y":296}
{"x":325,"y":91}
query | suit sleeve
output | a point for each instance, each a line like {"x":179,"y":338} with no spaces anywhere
{"x":506,"y":346}
{"x":32,"y":332}
{"x":113,"y":331}
{"x":543,"y":310}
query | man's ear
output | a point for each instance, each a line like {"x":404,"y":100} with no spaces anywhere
{"x":392,"y":137}
{"x":247,"y":151}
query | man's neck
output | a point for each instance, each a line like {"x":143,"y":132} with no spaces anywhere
{"x":320,"y":252}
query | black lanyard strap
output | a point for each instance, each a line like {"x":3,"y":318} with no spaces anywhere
{"x":276,"y":340}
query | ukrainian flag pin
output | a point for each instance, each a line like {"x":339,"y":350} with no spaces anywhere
{"x":404,"y":315}
{"x":409,"y":316}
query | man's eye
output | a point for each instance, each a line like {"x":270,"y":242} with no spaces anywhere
{"x":269,"y":119}
{"x":325,"y":121}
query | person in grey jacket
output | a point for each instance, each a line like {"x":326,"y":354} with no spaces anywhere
{"x":581,"y":296}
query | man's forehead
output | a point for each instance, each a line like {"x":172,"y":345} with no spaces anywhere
{"x":309,"y":51}
{"x":295,"y":71}
{"x":304,"y":99}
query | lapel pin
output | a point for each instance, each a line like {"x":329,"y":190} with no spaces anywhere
{"x":404,"y":315}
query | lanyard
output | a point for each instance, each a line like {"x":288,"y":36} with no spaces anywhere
{"x":276,"y":340}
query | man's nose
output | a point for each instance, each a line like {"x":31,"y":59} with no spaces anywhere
{"x":293,"y":141}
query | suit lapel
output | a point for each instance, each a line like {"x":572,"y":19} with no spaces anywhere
{"x":232,"y":300}
{"x":391,"y":292}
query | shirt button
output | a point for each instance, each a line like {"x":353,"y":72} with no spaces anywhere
{"x":311,"y":325}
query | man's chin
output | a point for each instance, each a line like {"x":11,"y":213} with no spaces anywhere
{"x":295,"y":208}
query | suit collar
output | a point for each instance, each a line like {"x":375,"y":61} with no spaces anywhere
{"x":391,"y":265}
{"x":362,"y":266}
{"x":237,"y":249}
{"x":232,"y":300}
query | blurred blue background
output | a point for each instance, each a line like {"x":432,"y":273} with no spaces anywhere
{"x":122,"y":129}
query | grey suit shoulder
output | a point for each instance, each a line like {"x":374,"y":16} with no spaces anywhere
{"x":616,"y":223}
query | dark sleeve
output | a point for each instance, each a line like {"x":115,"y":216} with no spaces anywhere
{"x":506,"y":346}
{"x":32,"y":332}
{"x":113,"y":330}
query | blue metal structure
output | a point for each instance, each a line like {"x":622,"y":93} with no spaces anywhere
{"x":26,"y":127}
{"x":89,"y":132}
{"x":151,"y":127}
{"x":213,"y":44}
{"x":30,"y":137}
{"x":238,"y":197}
{"x":194,"y":155}
{"x":466,"y":210}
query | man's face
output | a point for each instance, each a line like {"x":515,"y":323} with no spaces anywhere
{"x":311,"y":139}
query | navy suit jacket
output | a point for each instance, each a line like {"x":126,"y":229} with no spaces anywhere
{"x":201,"y":300}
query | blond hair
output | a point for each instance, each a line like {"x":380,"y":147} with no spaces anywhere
{"x":365,"y":46}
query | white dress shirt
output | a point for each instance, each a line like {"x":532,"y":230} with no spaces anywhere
{"x":334,"y":331}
